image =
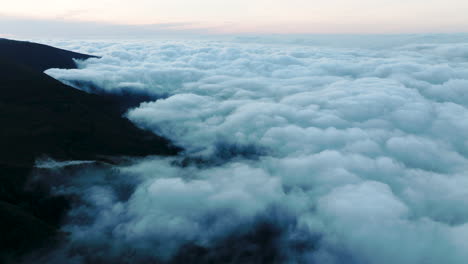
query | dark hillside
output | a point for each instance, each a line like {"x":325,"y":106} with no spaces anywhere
{"x":38,"y":56}
{"x":39,"y":116}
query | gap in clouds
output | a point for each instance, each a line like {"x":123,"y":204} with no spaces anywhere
{"x":295,"y":153}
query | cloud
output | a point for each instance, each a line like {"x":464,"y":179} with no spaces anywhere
{"x":347,"y":155}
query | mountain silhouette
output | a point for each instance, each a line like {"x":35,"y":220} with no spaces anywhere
{"x":40,"y":116}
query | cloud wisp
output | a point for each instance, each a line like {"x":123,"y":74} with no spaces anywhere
{"x":298,"y":153}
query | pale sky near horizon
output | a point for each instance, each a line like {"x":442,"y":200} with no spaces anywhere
{"x":249,"y":16}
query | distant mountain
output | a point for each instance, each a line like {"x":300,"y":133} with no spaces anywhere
{"x":39,"y":116}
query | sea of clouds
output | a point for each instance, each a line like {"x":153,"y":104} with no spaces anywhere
{"x":294,"y":153}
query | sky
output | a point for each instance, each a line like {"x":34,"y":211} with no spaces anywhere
{"x":93,"y":17}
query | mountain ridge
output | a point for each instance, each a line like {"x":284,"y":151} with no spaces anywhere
{"x":41,"y":116}
{"x":39,"y":56}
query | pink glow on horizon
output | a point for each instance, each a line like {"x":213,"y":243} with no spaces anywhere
{"x":257,"y":16}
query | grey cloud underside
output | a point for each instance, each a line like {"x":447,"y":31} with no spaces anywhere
{"x":354,"y":155}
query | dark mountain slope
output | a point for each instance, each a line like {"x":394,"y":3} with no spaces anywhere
{"x":38,"y":56}
{"x":41,"y":116}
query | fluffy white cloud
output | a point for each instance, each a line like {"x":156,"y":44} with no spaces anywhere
{"x":363,"y":152}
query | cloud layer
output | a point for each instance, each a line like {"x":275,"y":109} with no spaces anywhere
{"x":349,"y":155}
